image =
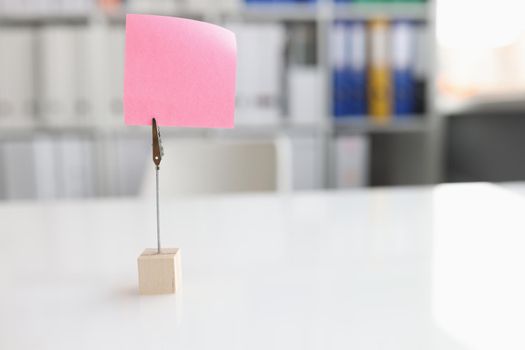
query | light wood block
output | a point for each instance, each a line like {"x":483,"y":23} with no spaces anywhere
{"x":160,"y":273}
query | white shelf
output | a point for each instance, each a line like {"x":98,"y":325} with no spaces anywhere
{"x":29,"y":19}
{"x":240,"y":130}
{"x":272,"y":12}
{"x":255,"y":12}
{"x":346,"y":125}
{"x":75,"y":19}
{"x":361,"y":125}
{"x":280,"y":12}
{"x":408,"y":11}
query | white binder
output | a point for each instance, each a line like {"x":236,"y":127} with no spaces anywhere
{"x":76,"y":167}
{"x":17,"y":83}
{"x":45,"y":167}
{"x":19,"y":169}
{"x":260,"y":66}
{"x":308,"y":163}
{"x":306,"y":92}
{"x":115,"y":59}
{"x":351,"y":158}
{"x":58,"y":75}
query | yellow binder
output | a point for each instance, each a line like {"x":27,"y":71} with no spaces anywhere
{"x":379,"y":75}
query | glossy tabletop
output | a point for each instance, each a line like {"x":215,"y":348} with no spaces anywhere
{"x":407,"y":268}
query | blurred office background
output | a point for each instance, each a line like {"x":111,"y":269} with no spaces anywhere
{"x":330,"y":94}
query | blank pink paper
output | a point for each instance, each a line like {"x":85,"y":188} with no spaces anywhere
{"x":181,"y":72}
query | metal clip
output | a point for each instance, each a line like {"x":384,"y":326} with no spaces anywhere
{"x":158,"y":150}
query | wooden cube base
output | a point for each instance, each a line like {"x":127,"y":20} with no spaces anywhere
{"x":159,"y":273}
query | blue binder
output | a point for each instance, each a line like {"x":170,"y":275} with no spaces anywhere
{"x":404,"y":92}
{"x":355,"y":104}
{"x":338,"y":78}
{"x":403,"y":61}
{"x":349,"y":75}
{"x":339,"y":69}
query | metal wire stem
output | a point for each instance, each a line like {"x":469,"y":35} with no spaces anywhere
{"x":157,"y":200}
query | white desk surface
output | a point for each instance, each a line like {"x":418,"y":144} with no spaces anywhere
{"x":411,"y":269}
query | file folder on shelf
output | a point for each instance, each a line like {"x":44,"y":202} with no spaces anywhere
{"x":19,"y":175}
{"x":259,"y":89}
{"x":403,"y":62}
{"x":379,"y":76}
{"x":59,"y":71}
{"x":305,"y":94}
{"x":115,"y":59}
{"x":349,"y":69}
{"x":17,"y":97}
{"x":422,"y":57}
{"x":338,"y":66}
{"x":84,"y":77}
{"x":45,"y":165}
{"x":351,"y":158}
{"x":355,"y":75}
{"x":75,"y":161}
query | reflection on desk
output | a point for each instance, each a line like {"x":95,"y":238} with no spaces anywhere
{"x":407,"y":268}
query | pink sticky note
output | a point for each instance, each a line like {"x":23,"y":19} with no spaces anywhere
{"x":179,"y":71}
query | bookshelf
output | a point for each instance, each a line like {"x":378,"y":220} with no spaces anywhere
{"x":321,"y":15}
